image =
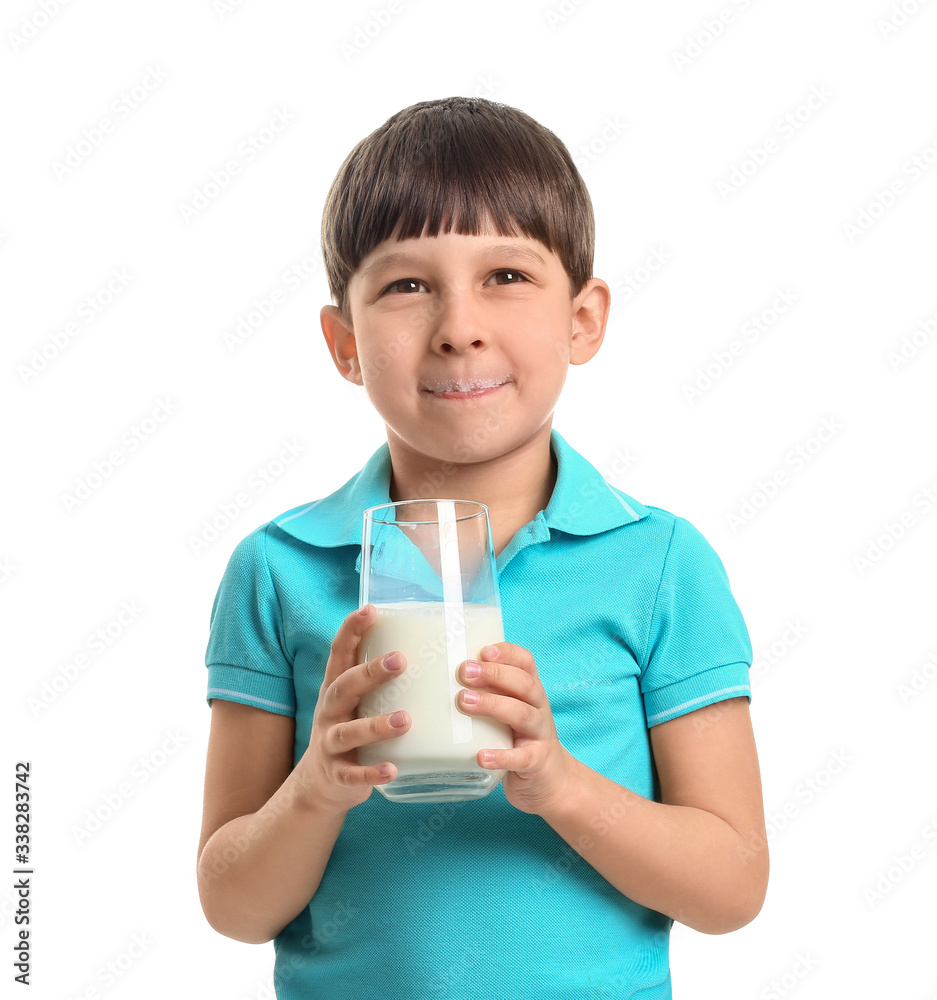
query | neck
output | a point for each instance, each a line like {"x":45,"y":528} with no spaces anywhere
{"x":513,"y":486}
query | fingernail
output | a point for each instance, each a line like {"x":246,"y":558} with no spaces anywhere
{"x":470,"y":697}
{"x":473,"y":669}
{"x":488,"y":756}
{"x":392,"y":662}
{"x":363,"y":611}
{"x":491,"y":652}
{"x":384,"y":770}
{"x":398,"y":720}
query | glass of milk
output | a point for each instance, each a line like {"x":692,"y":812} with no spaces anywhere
{"x":428,"y":567}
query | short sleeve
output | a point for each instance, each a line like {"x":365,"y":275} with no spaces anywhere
{"x":698,"y":650}
{"x":246,"y":657}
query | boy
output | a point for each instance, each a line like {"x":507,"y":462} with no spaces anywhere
{"x":458,"y":241}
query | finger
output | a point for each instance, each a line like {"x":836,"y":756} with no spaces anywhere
{"x":339,"y":700}
{"x":521,"y":760}
{"x":510,"y":652}
{"x":343,"y":652}
{"x":504,"y":678}
{"x":354,"y":776}
{"x":344,"y":737}
{"x":526,"y":721}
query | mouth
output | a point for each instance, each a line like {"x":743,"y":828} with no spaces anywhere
{"x":465,"y":388}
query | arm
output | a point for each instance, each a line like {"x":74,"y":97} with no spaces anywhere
{"x":688,"y":856}
{"x":264,"y":845}
{"x":268,"y":828}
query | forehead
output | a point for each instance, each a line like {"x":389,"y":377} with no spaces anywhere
{"x":482,"y":250}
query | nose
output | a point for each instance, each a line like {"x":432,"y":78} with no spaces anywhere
{"x":458,"y":324}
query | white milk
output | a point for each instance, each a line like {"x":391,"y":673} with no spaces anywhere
{"x":435,"y":640}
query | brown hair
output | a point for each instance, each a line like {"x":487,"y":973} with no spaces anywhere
{"x":457,"y":164}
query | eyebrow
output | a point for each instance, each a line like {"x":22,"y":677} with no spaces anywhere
{"x":501,"y":251}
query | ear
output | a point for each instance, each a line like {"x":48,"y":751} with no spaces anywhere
{"x":589,"y":316}
{"x":340,"y":337}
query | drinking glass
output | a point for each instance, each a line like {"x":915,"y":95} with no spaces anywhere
{"x":428,"y":567}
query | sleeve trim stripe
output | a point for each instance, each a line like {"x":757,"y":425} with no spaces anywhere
{"x":222,"y":692}
{"x":712,"y":696}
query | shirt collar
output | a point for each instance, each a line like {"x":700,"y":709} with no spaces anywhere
{"x":582,"y":503}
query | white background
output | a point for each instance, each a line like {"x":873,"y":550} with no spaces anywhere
{"x":846,"y":740}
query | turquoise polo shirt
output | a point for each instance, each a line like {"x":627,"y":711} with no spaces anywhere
{"x":630,"y":618}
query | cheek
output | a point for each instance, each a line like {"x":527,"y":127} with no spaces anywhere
{"x":386,"y":360}
{"x":545,"y":352}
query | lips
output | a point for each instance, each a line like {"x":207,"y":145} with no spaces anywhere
{"x":463,"y":385}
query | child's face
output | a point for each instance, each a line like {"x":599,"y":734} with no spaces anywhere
{"x":463,"y":342}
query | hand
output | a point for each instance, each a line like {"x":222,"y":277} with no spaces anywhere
{"x":508,"y":689}
{"x":330,"y":769}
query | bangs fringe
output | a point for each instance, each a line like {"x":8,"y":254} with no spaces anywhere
{"x":462,"y":165}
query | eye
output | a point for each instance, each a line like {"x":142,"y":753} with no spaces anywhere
{"x":404,"y":286}
{"x":511,"y":277}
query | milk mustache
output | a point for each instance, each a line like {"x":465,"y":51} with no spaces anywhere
{"x":435,"y":639}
